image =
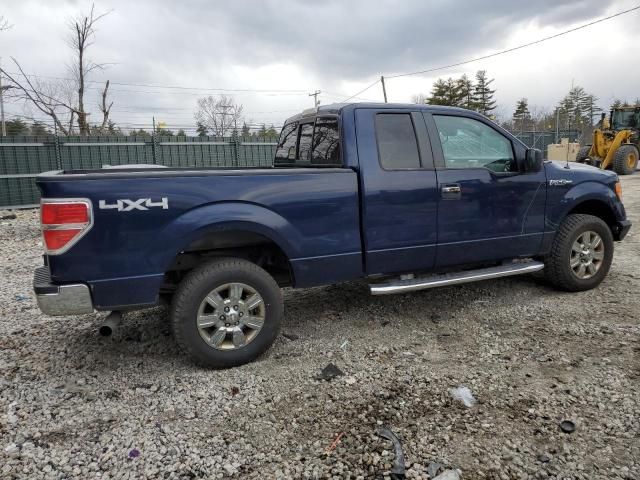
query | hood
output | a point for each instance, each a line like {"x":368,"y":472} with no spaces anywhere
{"x":578,"y":172}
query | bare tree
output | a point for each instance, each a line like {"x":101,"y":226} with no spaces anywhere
{"x":419,"y":98}
{"x":220,"y":115}
{"x":4,"y":23}
{"x":64,"y":102}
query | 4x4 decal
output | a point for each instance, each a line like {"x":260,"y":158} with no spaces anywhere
{"x":127,"y":205}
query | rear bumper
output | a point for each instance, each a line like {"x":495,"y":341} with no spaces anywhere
{"x":621,"y":229}
{"x":53,"y":299}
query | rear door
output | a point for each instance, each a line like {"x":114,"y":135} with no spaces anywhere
{"x":488,"y":210}
{"x":399,"y":192}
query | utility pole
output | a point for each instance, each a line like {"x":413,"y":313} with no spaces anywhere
{"x":384,"y":89}
{"x":2,"y":89}
{"x":316,"y":102}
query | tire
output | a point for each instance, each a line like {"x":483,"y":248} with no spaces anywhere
{"x":206,"y":293}
{"x":583,"y":154}
{"x":558,"y":267}
{"x":625,"y":160}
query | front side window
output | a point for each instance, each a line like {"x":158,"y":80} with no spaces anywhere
{"x":286,"y":150}
{"x":397,"y":144}
{"x":469,"y":143}
{"x":326,"y":142}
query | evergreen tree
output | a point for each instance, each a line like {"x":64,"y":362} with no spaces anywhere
{"x":246,"y":132}
{"x":164,"y":132}
{"x":181,"y":133}
{"x":262,"y":132}
{"x":17,"y":127}
{"x":522,"y":115}
{"x":465,"y":87}
{"x":201,"y":130}
{"x":438,"y":93}
{"x":483,"y":93}
{"x":271,"y":133}
{"x":39,"y":129}
{"x":139,"y":133}
{"x":578,"y":109}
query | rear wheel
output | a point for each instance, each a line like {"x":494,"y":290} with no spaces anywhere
{"x":625,"y":160}
{"x":226,"y":313}
{"x":583,"y":154}
{"x":581,"y":253}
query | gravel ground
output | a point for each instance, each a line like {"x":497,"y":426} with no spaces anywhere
{"x":76,"y":405}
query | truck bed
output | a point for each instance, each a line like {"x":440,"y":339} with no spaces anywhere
{"x":311,"y":213}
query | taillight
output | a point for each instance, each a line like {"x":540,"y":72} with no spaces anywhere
{"x":64,"y":222}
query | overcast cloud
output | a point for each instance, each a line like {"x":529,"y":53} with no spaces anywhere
{"x":338,"y":47}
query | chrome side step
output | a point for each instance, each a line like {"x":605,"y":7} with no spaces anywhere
{"x":432,"y":281}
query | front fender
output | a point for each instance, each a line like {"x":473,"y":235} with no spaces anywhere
{"x":195,"y":223}
{"x":562,"y":201}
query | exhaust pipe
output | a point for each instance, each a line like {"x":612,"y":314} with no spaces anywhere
{"x":110,"y":323}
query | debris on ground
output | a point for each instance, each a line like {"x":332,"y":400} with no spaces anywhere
{"x":334,"y":444}
{"x":290,"y":336}
{"x":398,"y":468}
{"x":10,"y":216}
{"x":433,"y":468}
{"x":449,"y":475}
{"x":134,"y":453}
{"x":329,"y":373}
{"x":567,"y":426}
{"x":464,"y":395}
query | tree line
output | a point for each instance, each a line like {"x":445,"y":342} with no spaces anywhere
{"x":463,"y":92}
{"x":578,"y":110}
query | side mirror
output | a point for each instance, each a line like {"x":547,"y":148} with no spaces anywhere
{"x":532,"y":160}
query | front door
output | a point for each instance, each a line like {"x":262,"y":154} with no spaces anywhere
{"x":488,"y":210}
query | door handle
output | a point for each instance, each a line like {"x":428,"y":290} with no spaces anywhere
{"x":451,"y":189}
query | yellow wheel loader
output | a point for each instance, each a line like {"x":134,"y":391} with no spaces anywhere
{"x":615,"y":143}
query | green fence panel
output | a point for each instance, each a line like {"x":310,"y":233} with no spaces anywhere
{"x":22,"y":158}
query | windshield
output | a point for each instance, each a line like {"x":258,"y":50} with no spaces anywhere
{"x":626,"y":119}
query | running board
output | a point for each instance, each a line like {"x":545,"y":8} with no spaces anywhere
{"x":432,"y":281}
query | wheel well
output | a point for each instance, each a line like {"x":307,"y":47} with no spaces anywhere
{"x":251,"y":246}
{"x":598,"y":209}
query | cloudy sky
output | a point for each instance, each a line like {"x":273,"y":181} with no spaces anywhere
{"x":279,"y":50}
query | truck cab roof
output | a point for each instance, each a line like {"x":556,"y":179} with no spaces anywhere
{"x":338,"y":108}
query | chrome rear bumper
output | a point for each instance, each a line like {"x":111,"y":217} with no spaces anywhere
{"x":73,"y":299}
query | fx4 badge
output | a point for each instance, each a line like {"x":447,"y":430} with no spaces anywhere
{"x":126,"y":205}
{"x":560,"y":182}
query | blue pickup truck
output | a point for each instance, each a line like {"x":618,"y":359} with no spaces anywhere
{"x":406,"y":197}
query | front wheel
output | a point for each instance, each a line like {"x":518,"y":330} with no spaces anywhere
{"x":226,"y":312}
{"x":581,"y":253}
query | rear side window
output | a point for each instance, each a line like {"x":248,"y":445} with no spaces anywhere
{"x":304,"y":144}
{"x":309,"y":144}
{"x":397,"y":144}
{"x":326,"y":143}
{"x":286,"y":150}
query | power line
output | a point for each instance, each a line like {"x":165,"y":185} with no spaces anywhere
{"x":361,"y":91}
{"x":171,"y":87}
{"x":509,"y":50}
